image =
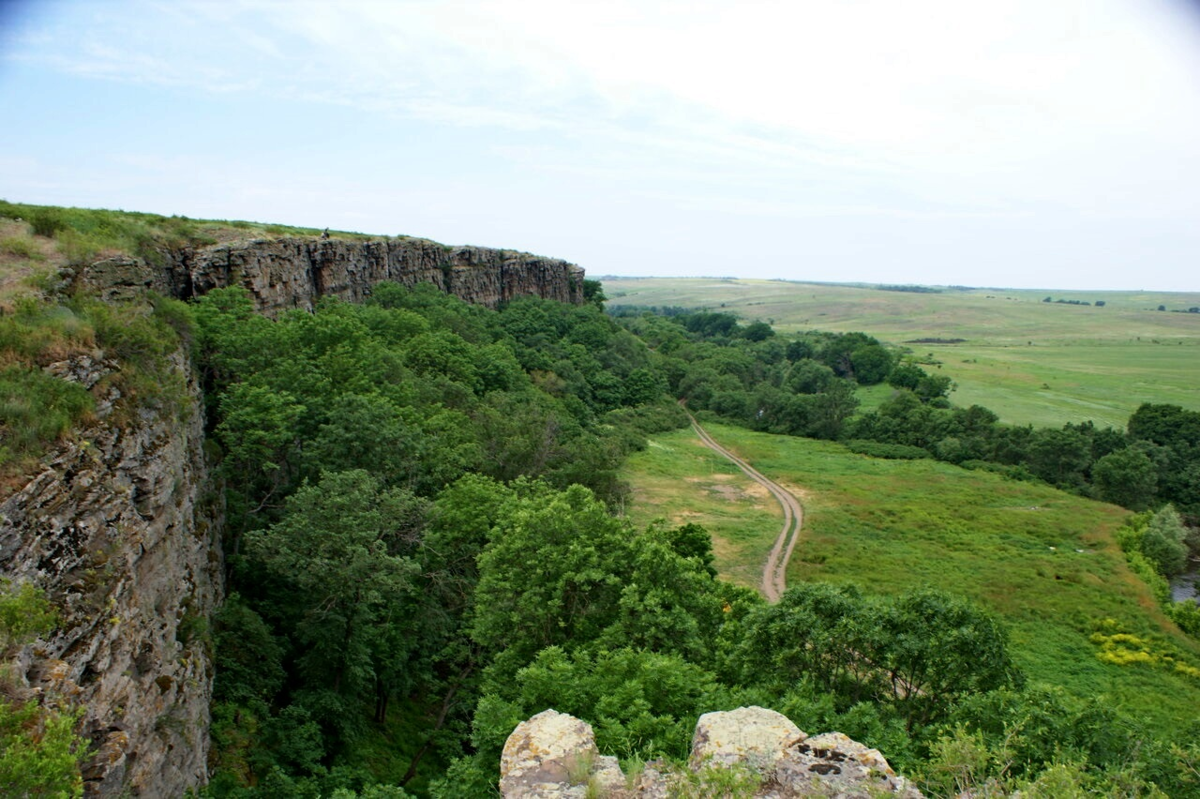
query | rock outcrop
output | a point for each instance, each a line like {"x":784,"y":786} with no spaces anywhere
{"x":290,"y":273}
{"x":553,"y":756}
{"x":120,"y":528}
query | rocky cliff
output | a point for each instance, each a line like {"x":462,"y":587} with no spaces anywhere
{"x":745,"y":752}
{"x":120,"y":529}
{"x":294,"y":272}
{"x":121,"y":526}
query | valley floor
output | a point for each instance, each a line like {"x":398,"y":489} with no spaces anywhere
{"x":1045,"y":561}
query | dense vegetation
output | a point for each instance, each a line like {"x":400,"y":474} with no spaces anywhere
{"x":404,"y":598}
{"x":423,"y":550}
{"x":39,"y":748}
{"x":806,"y":385}
{"x":1030,"y":362}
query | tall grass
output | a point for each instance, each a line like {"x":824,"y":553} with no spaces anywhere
{"x":84,"y":234}
{"x":38,"y":408}
{"x":1045,"y":561}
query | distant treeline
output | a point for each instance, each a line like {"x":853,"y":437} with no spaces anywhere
{"x":1099,"y":303}
{"x":805,"y":385}
{"x":911,"y":289}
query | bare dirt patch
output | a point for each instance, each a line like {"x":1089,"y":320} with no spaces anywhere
{"x":727,"y":493}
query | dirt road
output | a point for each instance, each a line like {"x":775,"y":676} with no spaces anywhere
{"x":774,"y":579}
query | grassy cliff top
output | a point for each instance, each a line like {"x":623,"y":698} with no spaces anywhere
{"x":37,"y":240}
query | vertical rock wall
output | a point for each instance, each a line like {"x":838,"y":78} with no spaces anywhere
{"x":121,"y":529}
{"x":294,"y":273}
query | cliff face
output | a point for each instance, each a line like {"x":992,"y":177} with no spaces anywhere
{"x":120,"y":529}
{"x":294,"y":273}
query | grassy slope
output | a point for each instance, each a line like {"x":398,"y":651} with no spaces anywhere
{"x":1029,"y":361}
{"x":893,"y":525}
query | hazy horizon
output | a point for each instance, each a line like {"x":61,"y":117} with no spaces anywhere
{"x":877,"y":284}
{"x":1018,"y":144}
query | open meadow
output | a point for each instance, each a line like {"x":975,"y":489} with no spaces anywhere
{"x":1030,"y":361}
{"x":1043,"y":560}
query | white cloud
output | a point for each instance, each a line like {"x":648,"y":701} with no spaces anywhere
{"x":863,"y":109}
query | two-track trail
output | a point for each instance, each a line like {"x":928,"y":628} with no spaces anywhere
{"x":774,"y":579}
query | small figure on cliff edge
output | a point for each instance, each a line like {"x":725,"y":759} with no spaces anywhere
{"x":325,"y":233}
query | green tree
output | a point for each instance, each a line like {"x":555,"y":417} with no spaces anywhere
{"x":906,"y":375}
{"x":935,"y":649}
{"x":1163,"y":542}
{"x":593,"y":292}
{"x":831,"y":408}
{"x":1059,"y":456}
{"x":341,"y":559}
{"x":39,"y":751}
{"x":550,"y":575}
{"x":25,"y":613}
{"x":1126,"y":477}
{"x":872,"y":363}
{"x":809,"y":377}
{"x":757,"y":331}
{"x":815,"y":631}
{"x":369,"y":432}
{"x":259,"y":433}
{"x":642,"y":704}
{"x":934,"y":387}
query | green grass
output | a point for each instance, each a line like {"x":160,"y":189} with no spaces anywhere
{"x":893,"y":525}
{"x":679,"y":480}
{"x":38,"y":408}
{"x":1029,"y":361}
{"x":84,"y":234}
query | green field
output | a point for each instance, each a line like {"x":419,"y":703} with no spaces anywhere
{"x":1030,"y":361}
{"x":1044,"y":560}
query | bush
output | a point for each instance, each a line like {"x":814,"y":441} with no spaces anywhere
{"x":46,"y":221}
{"x":38,"y":751}
{"x":1163,"y":542}
{"x":36,"y":409}
{"x":897,"y":452}
{"x":22,"y":247}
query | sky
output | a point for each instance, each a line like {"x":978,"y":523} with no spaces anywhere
{"x":1009,"y":143}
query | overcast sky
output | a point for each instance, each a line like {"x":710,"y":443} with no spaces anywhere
{"x":1048,"y":143}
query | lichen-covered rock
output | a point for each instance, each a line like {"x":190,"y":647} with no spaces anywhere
{"x":550,"y":755}
{"x":751,"y":736}
{"x":287,"y":273}
{"x":120,"y":533}
{"x":841,"y":766}
{"x":554,"y":755}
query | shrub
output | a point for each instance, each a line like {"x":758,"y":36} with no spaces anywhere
{"x":22,"y":247}
{"x":46,"y":221}
{"x":36,"y":409}
{"x":876,"y":449}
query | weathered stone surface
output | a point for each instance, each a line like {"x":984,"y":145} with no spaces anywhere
{"x":296,"y":272}
{"x":554,"y":755}
{"x":119,"y":531}
{"x":840,"y":766}
{"x":751,"y":736}
{"x":123,"y":277}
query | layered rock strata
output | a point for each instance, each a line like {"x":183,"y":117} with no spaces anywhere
{"x":554,"y":756}
{"x":120,"y":528}
{"x":289,"y":273}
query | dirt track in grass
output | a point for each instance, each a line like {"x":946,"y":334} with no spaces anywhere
{"x":774,"y":578}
